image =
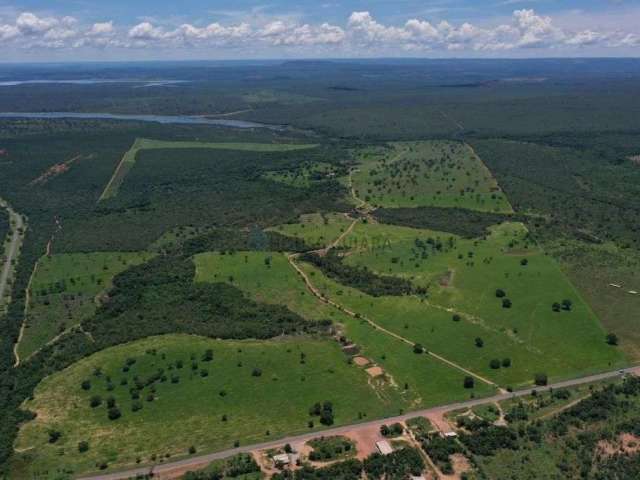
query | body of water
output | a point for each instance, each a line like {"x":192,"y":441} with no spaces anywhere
{"x":164,"y":119}
{"x":90,"y":81}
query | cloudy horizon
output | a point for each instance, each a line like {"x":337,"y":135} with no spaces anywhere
{"x":438,"y":29}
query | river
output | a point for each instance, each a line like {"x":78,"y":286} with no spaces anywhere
{"x":164,"y":119}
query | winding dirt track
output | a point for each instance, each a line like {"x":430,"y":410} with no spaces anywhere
{"x":312,"y":288}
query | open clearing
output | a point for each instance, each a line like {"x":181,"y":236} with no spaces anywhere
{"x":432,"y":173}
{"x":429,"y":382}
{"x":191,"y":410}
{"x":462,"y":277}
{"x":129,"y":158}
{"x":64,"y":290}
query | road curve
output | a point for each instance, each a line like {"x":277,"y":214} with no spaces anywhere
{"x":11,"y":251}
{"x":199,"y":461}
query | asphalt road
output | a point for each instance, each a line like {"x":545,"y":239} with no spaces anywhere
{"x":11,"y":252}
{"x":204,"y":459}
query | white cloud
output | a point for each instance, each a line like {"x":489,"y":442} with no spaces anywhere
{"x":103,"y":28}
{"x":361,"y":33}
{"x":30,"y":24}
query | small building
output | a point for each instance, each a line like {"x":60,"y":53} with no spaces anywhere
{"x":282,"y":459}
{"x":384,"y":447}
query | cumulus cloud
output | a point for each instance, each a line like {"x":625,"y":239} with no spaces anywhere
{"x":360,"y":33}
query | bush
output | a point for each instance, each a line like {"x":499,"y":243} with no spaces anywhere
{"x":500,"y":293}
{"x":83,"y":446}
{"x":469,"y":382}
{"x":418,"y":348}
{"x":456,"y":318}
{"x":506,"y":303}
{"x":54,"y":436}
{"x":86,"y":385}
{"x":612,"y":339}
{"x":256,"y":372}
{"x":95,"y":401}
{"x":114,"y":413}
{"x":479,"y":342}
{"x":506,"y":362}
{"x":541,"y":379}
{"x":494,"y":364}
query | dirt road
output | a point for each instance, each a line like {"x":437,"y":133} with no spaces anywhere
{"x":200,"y":460}
{"x":13,"y":249}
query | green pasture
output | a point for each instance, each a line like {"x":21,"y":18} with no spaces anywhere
{"x":65,"y":290}
{"x":462,"y":277}
{"x":431,"y":173}
{"x":231,"y":403}
{"x":317,"y":230}
{"x":429,"y":382}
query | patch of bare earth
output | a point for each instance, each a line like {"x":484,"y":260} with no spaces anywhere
{"x":625,"y":443}
{"x":361,"y":361}
{"x":439,"y":421}
{"x":57,"y":169}
{"x":375,"y":371}
{"x":365,"y":439}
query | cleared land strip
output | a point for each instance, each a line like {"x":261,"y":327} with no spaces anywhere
{"x":198,"y":462}
{"x":312,"y":288}
{"x":129,"y":158}
{"x":12,"y":250}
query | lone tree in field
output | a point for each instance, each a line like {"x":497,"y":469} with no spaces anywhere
{"x":469,"y":382}
{"x":479,"y":342}
{"x":506,"y":303}
{"x":567,"y":305}
{"x":612,"y":339}
{"x":500,"y":293}
{"x":494,"y":364}
{"x":418,"y":348}
{"x":541,"y":379}
{"x":83,"y":446}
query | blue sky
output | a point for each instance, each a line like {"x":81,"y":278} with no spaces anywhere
{"x":200,"y":29}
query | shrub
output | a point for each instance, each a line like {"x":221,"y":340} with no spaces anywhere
{"x":83,"y":446}
{"x":54,"y":436}
{"x":114,"y":413}
{"x":500,"y":293}
{"x":612,"y":339}
{"x":494,"y":364}
{"x":256,"y":372}
{"x":506,"y":303}
{"x":506,"y":362}
{"x":86,"y":385}
{"x":469,"y":382}
{"x":479,"y":342}
{"x":541,"y":379}
{"x":418,"y":348}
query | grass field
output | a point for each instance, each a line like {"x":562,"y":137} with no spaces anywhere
{"x":606,"y":275}
{"x":315,"y":229}
{"x":129,"y":158}
{"x":64,"y":290}
{"x":294,"y":374}
{"x":435,"y":173}
{"x":430,"y":382}
{"x":462,"y":277}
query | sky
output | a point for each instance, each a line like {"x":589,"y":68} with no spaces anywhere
{"x":111,"y":30}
